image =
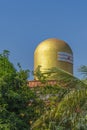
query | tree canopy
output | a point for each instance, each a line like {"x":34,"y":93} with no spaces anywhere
{"x":18,"y":102}
{"x":59,"y":107}
{"x":67,"y":108}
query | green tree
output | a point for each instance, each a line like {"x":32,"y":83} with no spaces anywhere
{"x":69,"y":110}
{"x":83,"y":71}
{"x":18,"y":102}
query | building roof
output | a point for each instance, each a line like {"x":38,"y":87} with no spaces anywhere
{"x":37,"y":83}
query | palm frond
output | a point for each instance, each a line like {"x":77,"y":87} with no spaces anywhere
{"x":70,"y":105}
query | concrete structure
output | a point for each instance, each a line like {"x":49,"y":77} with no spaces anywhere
{"x":36,"y":83}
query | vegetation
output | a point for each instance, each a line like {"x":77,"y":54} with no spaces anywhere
{"x":67,"y":108}
{"x":17,"y":102}
{"x":59,"y":107}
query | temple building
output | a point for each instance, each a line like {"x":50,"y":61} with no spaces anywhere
{"x":52,"y":53}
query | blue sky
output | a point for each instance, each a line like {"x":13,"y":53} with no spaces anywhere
{"x":25,"y":23}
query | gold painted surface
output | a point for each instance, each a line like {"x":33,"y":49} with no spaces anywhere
{"x":46,"y":55}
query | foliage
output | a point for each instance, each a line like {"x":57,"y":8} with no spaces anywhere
{"x":68,"y":110}
{"x":83,"y":71}
{"x":62,"y":106}
{"x":17,"y":102}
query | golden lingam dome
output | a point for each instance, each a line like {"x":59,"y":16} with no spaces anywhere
{"x":53,"y":53}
